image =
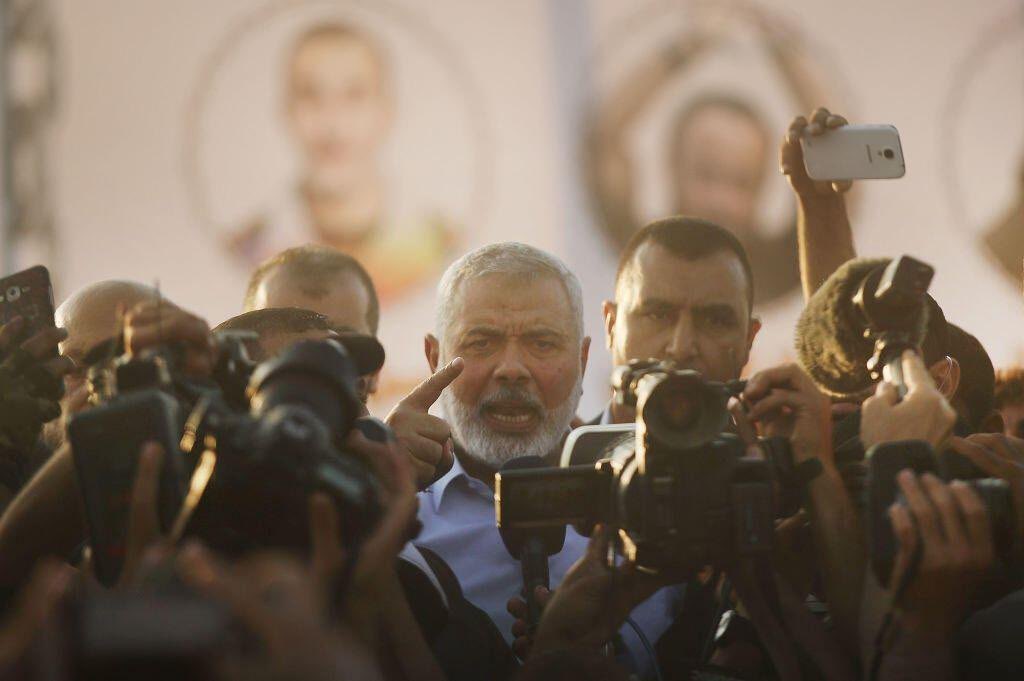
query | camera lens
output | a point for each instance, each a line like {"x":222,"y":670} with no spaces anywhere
{"x":889,"y":154}
{"x":13,"y":293}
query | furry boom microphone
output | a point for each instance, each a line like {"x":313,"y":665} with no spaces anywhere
{"x":861,"y":319}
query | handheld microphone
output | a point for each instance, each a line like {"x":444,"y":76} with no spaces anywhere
{"x":856,"y":327}
{"x":531,"y":547}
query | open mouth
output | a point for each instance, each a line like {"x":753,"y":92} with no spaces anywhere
{"x":511,"y":417}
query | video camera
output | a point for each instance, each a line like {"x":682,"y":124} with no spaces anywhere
{"x":237,"y":478}
{"x":680,"y":490}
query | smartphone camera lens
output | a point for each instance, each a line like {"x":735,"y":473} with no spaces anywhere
{"x":13,"y":293}
{"x":889,"y":154}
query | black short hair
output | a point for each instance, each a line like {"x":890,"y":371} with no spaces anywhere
{"x":277,"y":320}
{"x":274,"y":320}
{"x":689,"y":238}
{"x":312,"y":266}
{"x":977,"y":390}
{"x":937,"y":343}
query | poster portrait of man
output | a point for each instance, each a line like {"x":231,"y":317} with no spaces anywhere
{"x":977,"y":135}
{"x":355,"y":179}
{"x":717,"y":149}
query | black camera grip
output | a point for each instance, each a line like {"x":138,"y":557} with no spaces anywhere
{"x":885,"y":462}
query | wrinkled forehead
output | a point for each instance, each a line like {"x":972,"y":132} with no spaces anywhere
{"x":512,"y":302}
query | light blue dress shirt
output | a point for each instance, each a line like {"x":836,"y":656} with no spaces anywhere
{"x":458,"y":519}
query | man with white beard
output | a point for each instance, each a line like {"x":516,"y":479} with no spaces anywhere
{"x":508,"y":359}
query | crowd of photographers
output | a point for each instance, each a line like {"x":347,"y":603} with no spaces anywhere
{"x":187,"y":502}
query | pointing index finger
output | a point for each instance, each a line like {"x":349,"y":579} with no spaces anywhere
{"x":426,"y":393}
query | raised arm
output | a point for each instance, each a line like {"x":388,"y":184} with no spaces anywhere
{"x":823,"y":227}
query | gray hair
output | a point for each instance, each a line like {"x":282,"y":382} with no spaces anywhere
{"x":509,"y":258}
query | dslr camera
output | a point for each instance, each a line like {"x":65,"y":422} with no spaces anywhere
{"x":238,"y":470}
{"x":679,"y":490}
{"x":885,"y":461}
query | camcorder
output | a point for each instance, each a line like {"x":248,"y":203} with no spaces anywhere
{"x":680,"y":490}
{"x":239,"y":464}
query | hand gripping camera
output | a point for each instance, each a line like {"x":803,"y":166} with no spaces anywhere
{"x":241,"y":476}
{"x":680,"y":491}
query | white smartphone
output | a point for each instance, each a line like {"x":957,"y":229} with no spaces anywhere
{"x":854,"y":152}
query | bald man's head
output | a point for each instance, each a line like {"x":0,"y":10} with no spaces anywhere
{"x":90,"y":314}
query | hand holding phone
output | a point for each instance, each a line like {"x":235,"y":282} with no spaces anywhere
{"x":853,"y":152}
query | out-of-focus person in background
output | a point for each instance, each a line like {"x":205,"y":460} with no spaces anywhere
{"x":1010,"y":400}
{"x":324,"y":280}
{"x":92,"y":317}
{"x":339,"y":108}
{"x":716,"y":154}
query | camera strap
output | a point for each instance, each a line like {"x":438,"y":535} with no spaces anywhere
{"x":755,"y":593}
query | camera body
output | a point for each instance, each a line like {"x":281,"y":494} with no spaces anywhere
{"x":887,"y":460}
{"x":680,"y":491}
{"x":261,"y":463}
{"x":269,"y":460}
{"x":133,"y":404}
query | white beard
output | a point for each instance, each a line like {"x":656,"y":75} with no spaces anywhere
{"x":494,"y":449}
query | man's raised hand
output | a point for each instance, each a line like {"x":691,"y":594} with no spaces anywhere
{"x":426,"y":438}
{"x":791,"y":155}
{"x":924,"y":414}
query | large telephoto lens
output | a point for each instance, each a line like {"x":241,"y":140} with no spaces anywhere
{"x":316,"y":374}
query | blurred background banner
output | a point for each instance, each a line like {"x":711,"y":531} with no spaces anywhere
{"x":184,"y":141}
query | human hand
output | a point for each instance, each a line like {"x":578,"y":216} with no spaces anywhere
{"x":145,"y":545}
{"x":522,"y":640}
{"x":950,"y":528}
{"x":154,"y":323}
{"x":35,"y":605}
{"x":791,"y":156}
{"x":785,"y":402}
{"x":426,"y":438}
{"x":372,"y":580}
{"x":1000,"y":456}
{"x":593,"y":600}
{"x":273,"y":598}
{"x":31,"y":383}
{"x":924,"y":414}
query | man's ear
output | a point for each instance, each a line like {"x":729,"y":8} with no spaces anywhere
{"x":609,"y":309}
{"x":584,"y":355}
{"x":755,"y":328}
{"x":946,"y":374}
{"x":432,"y":349}
{"x":752,"y":331}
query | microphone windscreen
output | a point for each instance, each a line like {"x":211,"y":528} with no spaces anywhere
{"x":830,"y":340}
{"x":515,"y":538}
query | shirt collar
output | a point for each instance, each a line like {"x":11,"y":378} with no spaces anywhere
{"x":437,"y":490}
{"x":606,"y":415}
